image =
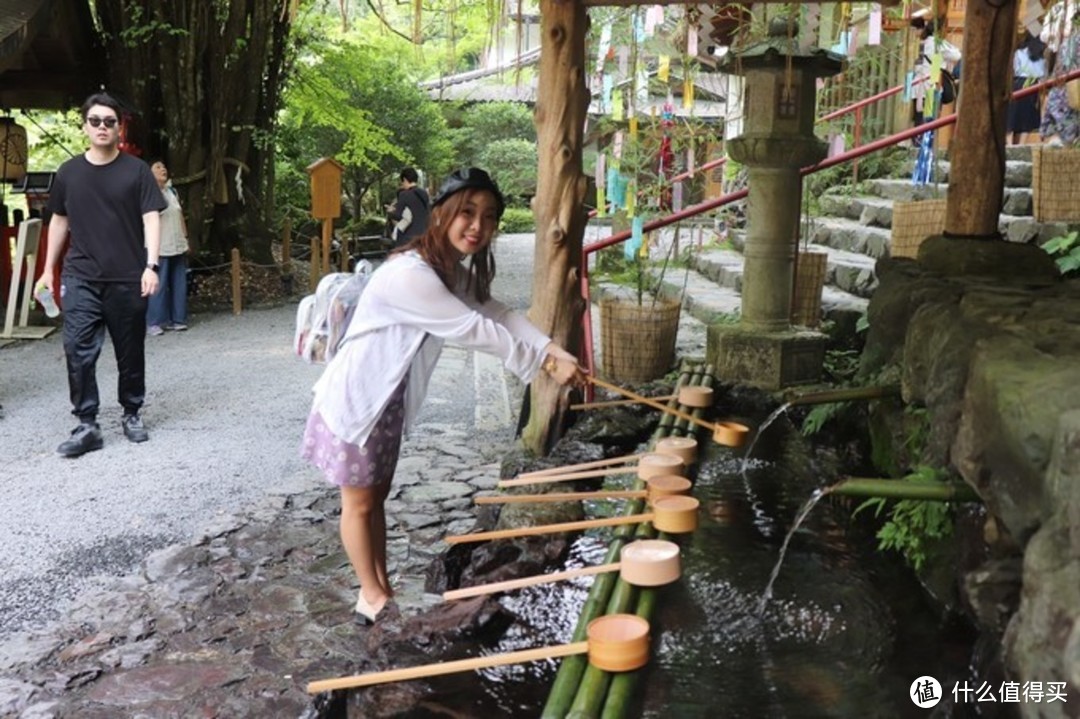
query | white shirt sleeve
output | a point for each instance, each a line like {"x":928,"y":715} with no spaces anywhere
{"x":415,"y":295}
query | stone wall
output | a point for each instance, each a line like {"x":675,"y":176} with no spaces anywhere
{"x":995,"y":360}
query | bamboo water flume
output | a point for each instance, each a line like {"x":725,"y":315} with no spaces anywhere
{"x":727,"y":433}
{"x":905,"y":489}
{"x":845,"y":395}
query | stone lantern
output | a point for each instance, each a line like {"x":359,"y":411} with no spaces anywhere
{"x":778,"y":140}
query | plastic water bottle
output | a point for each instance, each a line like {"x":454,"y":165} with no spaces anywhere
{"x":45,"y":297}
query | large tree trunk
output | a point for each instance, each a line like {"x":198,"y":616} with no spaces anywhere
{"x":562,"y":103}
{"x":977,"y":153}
{"x":204,"y":78}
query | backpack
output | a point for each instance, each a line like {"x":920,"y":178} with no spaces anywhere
{"x":323,"y":318}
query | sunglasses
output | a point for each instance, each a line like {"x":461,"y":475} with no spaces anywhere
{"x":109,"y":122}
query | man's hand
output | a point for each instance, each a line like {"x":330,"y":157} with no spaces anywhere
{"x":149,"y":282}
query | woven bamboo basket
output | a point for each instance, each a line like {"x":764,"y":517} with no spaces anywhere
{"x":913,"y":222}
{"x":1055,"y":184}
{"x":637,"y":342}
{"x":809,"y":281}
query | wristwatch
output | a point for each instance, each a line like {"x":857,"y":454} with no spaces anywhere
{"x":153,"y":266}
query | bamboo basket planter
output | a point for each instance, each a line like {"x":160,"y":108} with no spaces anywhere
{"x":810,"y":271}
{"x":1055,"y":184}
{"x":638,"y":341}
{"x":913,"y":222}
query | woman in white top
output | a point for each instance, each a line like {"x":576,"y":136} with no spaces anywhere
{"x":167,"y":308}
{"x":421,"y":297}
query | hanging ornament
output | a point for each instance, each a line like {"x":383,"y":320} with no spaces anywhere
{"x":663,"y":68}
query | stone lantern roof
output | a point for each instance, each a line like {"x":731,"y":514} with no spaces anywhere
{"x":780,"y":44}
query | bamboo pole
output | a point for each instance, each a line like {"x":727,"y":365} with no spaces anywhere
{"x":562,"y":496}
{"x":905,"y":489}
{"x":565,"y":476}
{"x":581,"y":466}
{"x":441,"y":668}
{"x":511,"y":584}
{"x":846,"y":395}
{"x":235,"y":272}
{"x":549,"y":528}
{"x":617,"y":402}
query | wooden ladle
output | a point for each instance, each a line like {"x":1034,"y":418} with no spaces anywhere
{"x":644,"y":563}
{"x":614,"y":643}
{"x":660,"y":486}
{"x":731,"y":434}
{"x":649,"y":465}
{"x":689,"y":395}
{"x":675,"y":515}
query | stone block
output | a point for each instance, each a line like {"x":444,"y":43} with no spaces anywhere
{"x":770,"y":360}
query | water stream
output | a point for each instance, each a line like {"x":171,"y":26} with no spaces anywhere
{"x":842,"y":631}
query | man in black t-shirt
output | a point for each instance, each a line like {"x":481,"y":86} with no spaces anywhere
{"x":109,"y":202}
{"x":411,"y":210}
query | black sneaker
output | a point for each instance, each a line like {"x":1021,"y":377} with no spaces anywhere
{"x":134,"y":429}
{"x":84,"y":438}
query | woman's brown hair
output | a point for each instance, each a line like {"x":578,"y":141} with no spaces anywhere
{"x":435,"y":247}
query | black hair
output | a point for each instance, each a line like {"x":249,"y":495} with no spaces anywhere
{"x":409,"y":175}
{"x":100,"y":98}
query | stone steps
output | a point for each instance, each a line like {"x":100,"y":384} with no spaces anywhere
{"x":855,"y":231}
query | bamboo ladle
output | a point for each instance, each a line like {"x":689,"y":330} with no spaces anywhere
{"x":649,"y":465}
{"x":644,"y":563}
{"x":663,"y":485}
{"x":675,"y":515}
{"x":615,"y":643}
{"x":689,"y":395}
{"x":731,"y":434}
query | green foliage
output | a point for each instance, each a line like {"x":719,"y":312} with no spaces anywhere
{"x":358,"y":105}
{"x":474,"y":128}
{"x":914,"y":526}
{"x":512,"y":164}
{"x":517,"y":219}
{"x":820,"y":415}
{"x":1065,"y":249}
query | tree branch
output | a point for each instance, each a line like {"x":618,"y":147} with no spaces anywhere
{"x":384,"y":21}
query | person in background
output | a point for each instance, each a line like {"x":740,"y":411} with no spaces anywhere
{"x":409,"y":213}
{"x":167,"y":308}
{"x":111,"y":205}
{"x":421,"y":297}
{"x":928,"y":46}
{"x":1060,"y":122}
{"x":1029,"y":68}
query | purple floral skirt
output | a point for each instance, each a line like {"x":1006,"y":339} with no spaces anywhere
{"x":349,"y":465}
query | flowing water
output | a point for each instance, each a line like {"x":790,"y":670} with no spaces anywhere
{"x":806,"y":622}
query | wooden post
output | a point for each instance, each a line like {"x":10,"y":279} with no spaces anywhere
{"x":236,"y":307}
{"x":327,"y":234}
{"x":316,"y":264}
{"x":977,"y":152}
{"x":325,"y":205}
{"x":562,"y":103}
{"x":286,"y":247}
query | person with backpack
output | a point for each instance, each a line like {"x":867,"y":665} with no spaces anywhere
{"x":409,"y":213}
{"x":423,"y":296}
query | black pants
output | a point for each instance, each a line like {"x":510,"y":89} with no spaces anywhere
{"x":89,"y":309}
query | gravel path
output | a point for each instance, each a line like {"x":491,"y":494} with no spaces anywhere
{"x":226,"y":405}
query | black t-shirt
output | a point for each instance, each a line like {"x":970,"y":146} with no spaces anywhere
{"x":104,"y":205}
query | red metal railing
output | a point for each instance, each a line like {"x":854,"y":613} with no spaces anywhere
{"x":852,"y":154}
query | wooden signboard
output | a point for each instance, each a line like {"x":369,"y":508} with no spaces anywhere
{"x":325,"y":205}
